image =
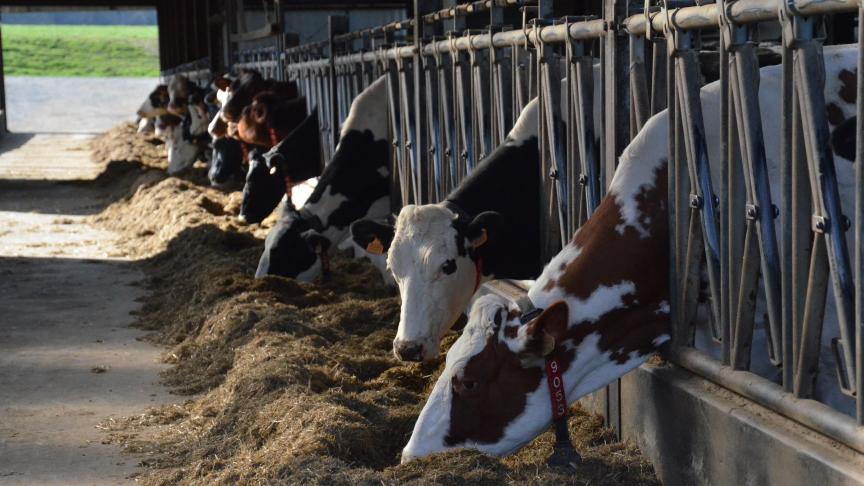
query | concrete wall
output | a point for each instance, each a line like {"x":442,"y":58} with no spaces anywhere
{"x":696,"y":433}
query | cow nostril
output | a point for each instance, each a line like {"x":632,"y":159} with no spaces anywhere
{"x":408,"y":351}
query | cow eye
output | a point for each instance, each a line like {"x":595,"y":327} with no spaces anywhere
{"x":449,"y":267}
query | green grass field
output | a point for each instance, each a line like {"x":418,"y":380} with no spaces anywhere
{"x":85,"y":50}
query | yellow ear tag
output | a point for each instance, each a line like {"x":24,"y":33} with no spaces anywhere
{"x":375,"y":247}
{"x":480,"y":240}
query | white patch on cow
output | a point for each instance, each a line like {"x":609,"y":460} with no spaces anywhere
{"x":556,"y":267}
{"x":663,"y":308}
{"x":324,"y":207}
{"x":383,"y":171}
{"x":602,"y":300}
{"x":312,"y":272}
{"x":635,"y":173}
{"x":434,"y":421}
{"x":181,"y":153}
{"x":526,"y":125}
{"x":146,"y":125}
{"x":431,"y":300}
{"x":366,"y":111}
{"x":300,"y":192}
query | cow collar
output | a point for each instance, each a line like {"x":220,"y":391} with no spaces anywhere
{"x":563,"y":453}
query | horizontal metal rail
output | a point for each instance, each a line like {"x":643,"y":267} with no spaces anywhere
{"x":741,"y":12}
{"x":457,"y":79}
{"x":810,"y":413}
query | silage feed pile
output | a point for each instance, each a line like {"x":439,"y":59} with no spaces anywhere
{"x":289,"y":382}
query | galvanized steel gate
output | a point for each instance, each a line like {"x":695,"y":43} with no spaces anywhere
{"x":453,"y":97}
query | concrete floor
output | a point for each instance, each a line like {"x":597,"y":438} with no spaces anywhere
{"x":72,"y":105}
{"x":68,"y":359}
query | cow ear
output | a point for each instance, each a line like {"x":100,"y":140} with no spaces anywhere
{"x":542,"y":333}
{"x":259,"y":113}
{"x":372,"y":236}
{"x":485,"y":227}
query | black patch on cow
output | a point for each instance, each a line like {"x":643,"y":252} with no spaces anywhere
{"x":298,"y":155}
{"x":227,"y":161}
{"x":366,"y":231}
{"x":354,"y":172}
{"x":848,"y":89}
{"x":262,"y":191}
{"x":843,"y":139}
{"x":507,"y":182}
{"x":286,"y":251}
{"x":835,"y":114}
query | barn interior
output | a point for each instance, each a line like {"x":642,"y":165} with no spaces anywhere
{"x":226,"y":378}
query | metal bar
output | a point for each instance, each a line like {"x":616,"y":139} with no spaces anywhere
{"x":744,"y":79}
{"x":817,"y":416}
{"x":859,"y":223}
{"x":702,"y":196}
{"x":434,"y":127}
{"x":740,"y":12}
{"x":463,"y":111}
{"x":810,"y":81}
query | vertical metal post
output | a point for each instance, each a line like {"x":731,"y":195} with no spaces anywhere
{"x":3,"y":115}
{"x":859,"y":223}
{"x":616,"y":110}
{"x":336,"y":24}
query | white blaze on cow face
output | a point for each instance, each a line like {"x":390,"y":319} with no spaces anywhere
{"x":183,"y":152}
{"x":435,"y":275}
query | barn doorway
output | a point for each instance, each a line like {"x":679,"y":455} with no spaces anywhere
{"x":74,"y":70}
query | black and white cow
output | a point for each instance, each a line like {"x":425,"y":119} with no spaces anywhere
{"x":487,"y":228}
{"x":355,"y":184}
{"x":604,"y":297}
{"x":288,"y":167}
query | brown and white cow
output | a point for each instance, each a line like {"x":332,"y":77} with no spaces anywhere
{"x":604,"y":297}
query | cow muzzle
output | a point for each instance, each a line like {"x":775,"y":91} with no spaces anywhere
{"x":408,"y":350}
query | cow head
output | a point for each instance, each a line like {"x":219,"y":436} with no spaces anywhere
{"x":371,"y":240}
{"x":218,"y":126}
{"x":292,"y":249}
{"x":248,"y":85}
{"x":227,"y":162}
{"x":156,"y":103}
{"x":262,"y":191}
{"x":490,"y":396}
{"x":434,"y":259}
{"x":270,"y":115}
{"x":182,"y":139}
{"x":179,"y":90}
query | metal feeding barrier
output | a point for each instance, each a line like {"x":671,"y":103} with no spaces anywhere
{"x":454,"y":95}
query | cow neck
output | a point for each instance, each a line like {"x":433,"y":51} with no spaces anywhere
{"x":507,"y":182}
{"x":563,"y":453}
